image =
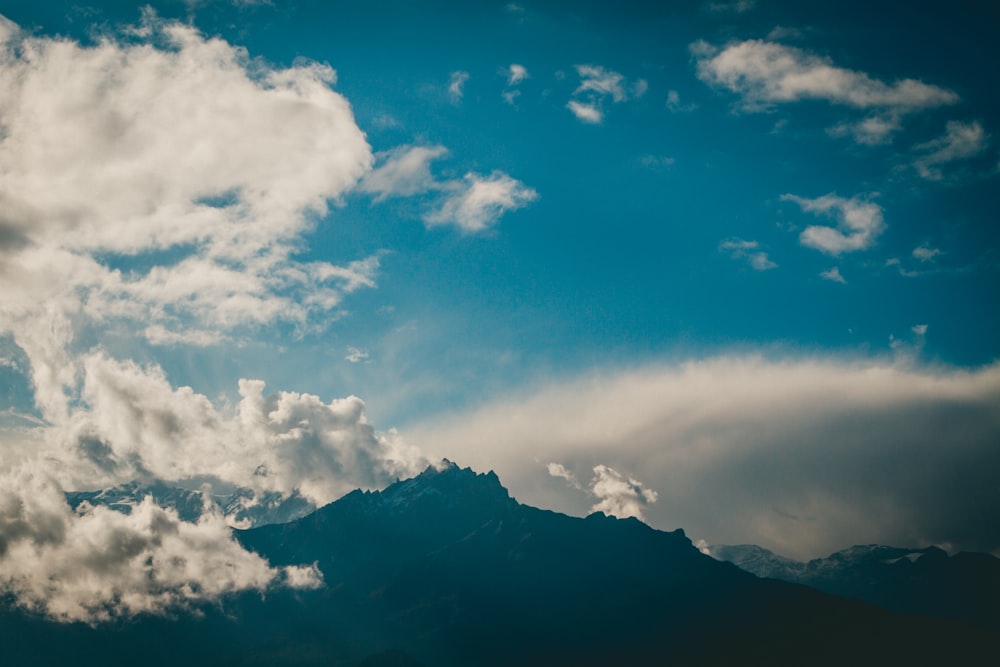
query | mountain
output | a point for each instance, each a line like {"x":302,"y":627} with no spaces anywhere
{"x":446,"y":569}
{"x":965,"y":586}
{"x":240,"y":506}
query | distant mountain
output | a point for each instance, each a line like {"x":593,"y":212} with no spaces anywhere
{"x":239,"y":505}
{"x":447,"y":570}
{"x":965,"y":586}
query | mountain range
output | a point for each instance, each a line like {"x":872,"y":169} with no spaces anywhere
{"x":964,"y":586}
{"x":446,"y":569}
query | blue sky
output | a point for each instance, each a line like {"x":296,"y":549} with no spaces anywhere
{"x":710,"y":259}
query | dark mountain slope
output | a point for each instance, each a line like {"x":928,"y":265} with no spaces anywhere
{"x":926,"y":581}
{"x":447,"y":570}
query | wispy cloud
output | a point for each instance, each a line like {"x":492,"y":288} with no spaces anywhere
{"x":960,"y":141}
{"x":402,"y":172}
{"x":765,"y":74}
{"x":598,"y":84}
{"x":515,"y":74}
{"x":456,"y":86}
{"x":477,"y":202}
{"x":833,"y":275}
{"x":748,"y":250}
{"x":859,"y":223}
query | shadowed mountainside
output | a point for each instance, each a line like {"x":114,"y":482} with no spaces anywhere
{"x":446,"y":569}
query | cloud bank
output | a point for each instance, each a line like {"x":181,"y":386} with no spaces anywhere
{"x":803,"y":457}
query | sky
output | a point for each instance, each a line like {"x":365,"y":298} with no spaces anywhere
{"x":730,"y":267}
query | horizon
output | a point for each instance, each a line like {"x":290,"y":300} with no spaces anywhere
{"x":730,"y":267}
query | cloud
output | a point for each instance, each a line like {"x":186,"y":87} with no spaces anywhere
{"x":516,"y":74}
{"x":476,"y":203}
{"x":473,"y":204}
{"x":596,"y":85}
{"x":871,"y":131}
{"x":833,"y":275}
{"x":801,"y":456}
{"x":925,"y":253}
{"x":355,"y":355}
{"x":134,"y":152}
{"x":149,"y":148}
{"x":734,"y":7}
{"x":456,"y":86}
{"x":765,"y":73}
{"x":402,"y":172}
{"x":674,"y":103}
{"x":960,"y":141}
{"x":97,"y":564}
{"x":619,"y":496}
{"x":748,"y":250}
{"x":919,"y":329}
{"x":859,"y":223}
{"x":587,"y":113}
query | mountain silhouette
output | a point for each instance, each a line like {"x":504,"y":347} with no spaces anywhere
{"x":446,"y":569}
{"x":965,"y":586}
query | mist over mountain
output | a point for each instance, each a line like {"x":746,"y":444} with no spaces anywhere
{"x":447,"y":569}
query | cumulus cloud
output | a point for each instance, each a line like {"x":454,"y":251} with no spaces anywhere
{"x":859,"y":223}
{"x":476,"y":203}
{"x":456,"y":86}
{"x":149,"y":149}
{"x":135,"y":152}
{"x":97,"y":564}
{"x":802,"y":456}
{"x":748,"y":250}
{"x":618,"y":495}
{"x":960,"y":141}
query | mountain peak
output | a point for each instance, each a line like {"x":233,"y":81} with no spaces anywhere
{"x":447,"y":485}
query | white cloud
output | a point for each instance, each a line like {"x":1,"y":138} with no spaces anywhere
{"x":477,"y":202}
{"x":176,"y":153}
{"x":925,"y":253}
{"x":960,"y":141}
{"x":601,"y":81}
{"x":619,"y":496}
{"x":859,"y":223}
{"x":833,"y":275}
{"x":748,"y":250}
{"x":801,"y":456}
{"x":97,"y":564}
{"x":516,"y":74}
{"x":149,"y":149}
{"x":402,"y":172}
{"x":596,"y":85}
{"x":560,"y":471}
{"x":919,"y":329}
{"x":766,"y":73}
{"x":355,"y":355}
{"x":587,"y":113}
{"x":510,"y":96}
{"x":871,"y":131}
{"x":456,"y":86}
